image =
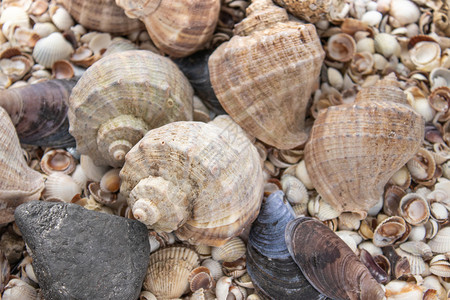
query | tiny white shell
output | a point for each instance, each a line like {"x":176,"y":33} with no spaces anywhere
{"x":61,"y":18}
{"x":44,"y":29}
{"x":372,"y":18}
{"x":52,"y":48}
{"x":387,"y":45}
{"x":404,"y":11}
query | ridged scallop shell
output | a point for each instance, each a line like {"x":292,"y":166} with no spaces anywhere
{"x":168,"y":271}
{"x":328,"y":263}
{"x":201,"y":180}
{"x":416,"y":263}
{"x":52,"y":48}
{"x":102,"y":15}
{"x":441,"y":242}
{"x":230,"y":251}
{"x":214,"y":267}
{"x":248,"y":74}
{"x":120,"y":98}
{"x":181,"y":36}
{"x":18,"y":182}
{"x":355,"y":148}
{"x":60,"y":187}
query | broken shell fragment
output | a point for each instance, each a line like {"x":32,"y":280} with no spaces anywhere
{"x":341,"y":47}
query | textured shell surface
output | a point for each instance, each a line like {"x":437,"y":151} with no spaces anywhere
{"x":248,"y":74}
{"x":355,"y":148}
{"x":18,"y":182}
{"x":120,"y":98}
{"x":176,"y":36}
{"x":328,"y":263}
{"x":202,"y":180}
{"x":309,"y":10}
{"x":103,"y":15}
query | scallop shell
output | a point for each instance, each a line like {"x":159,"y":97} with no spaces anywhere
{"x":248,"y":74}
{"x":102,"y":15}
{"x":214,"y":267}
{"x":168,"y":271}
{"x":180,"y":36}
{"x":60,"y":187}
{"x":328,"y":263}
{"x":355,"y":148}
{"x":416,"y":262}
{"x":207,"y":185}
{"x":52,"y":48}
{"x":441,"y":242}
{"x":18,"y":182}
{"x":230,"y":251}
{"x":119,"y":98}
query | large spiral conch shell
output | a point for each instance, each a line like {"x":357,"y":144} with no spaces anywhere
{"x":328,"y":263}
{"x":121,"y":97}
{"x":178,"y":27}
{"x":103,"y":15}
{"x":248,"y":74}
{"x":355,"y":148}
{"x":18,"y":182}
{"x":39,"y":112}
{"x":200,"y":180}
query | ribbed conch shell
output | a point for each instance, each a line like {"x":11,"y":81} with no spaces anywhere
{"x":39,"y":112}
{"x":102,"y":15}
{"x":355,"y":148}
{"x":178,"y":27}
{"x":18,"y":182}
{"x":201,"y":180}
{"x":120,"y":98}
{"x":328,"y":263}
{"x":248,"y":74}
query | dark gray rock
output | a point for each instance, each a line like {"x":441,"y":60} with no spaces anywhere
{"x":83,"y":254}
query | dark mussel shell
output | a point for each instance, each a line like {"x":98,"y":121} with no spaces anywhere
{"x":328,"y":263}
{"x":195,"y":68}
{"x":39,"y":112}
{"x":274,"y":274}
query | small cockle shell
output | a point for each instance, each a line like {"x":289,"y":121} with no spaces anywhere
{"x":294,"y":189}
{"x":248,"y":74}
{"x":439,"y":77}
{"x":120,"y":98}
{"x":61,"y":17}
{"x":103,"y":15}
{"x":425,"y":55}
{"x":389,"y":231}
{"x":57,"y":160}
{"x":387,"y":45}
{"x":341,"y":47}
{"x":230,"y":251}
{"x":204,"y":194}
{"x":60,"y":187}
{"x":168,"y":271}
{"x":440,"y":266}
{"x":404,"y":11}
{"x":52,"y":48}
{"x":39,"y":112}
{"x":441,"y":242}
{"x":328,"y":263}
{"x":18,"y":182}
{"x":416,"y":262}
{"x":180,"y":36}
{"x":414,"y":209}
{"x":355,"y":148}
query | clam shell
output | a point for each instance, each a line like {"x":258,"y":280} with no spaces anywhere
{"x":328,"y":263}
{"x":377,"y":272}
{"x":109,"y":108}
{"x":441,"y":242}
{"x":58,"y":160}
{"x":110,"y":181}
{"x":440,"y":266}
{"x":389,"y":231}
{"x":417,"y":248}
{"x":426,"y":55}
{"x":274,"y":106}
{"x":353,"y":146}
{"x":61,"y":18}
{"x":168,"y":271}
{"x":414,"y":209}
{"x":295,"y":190}
{"x":52,"y":48}
{"x":230,"y":251}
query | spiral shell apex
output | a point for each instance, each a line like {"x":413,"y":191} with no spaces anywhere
{"x":355,"y":148}
{"x":200,"y":180}
{"x":120,"y":98}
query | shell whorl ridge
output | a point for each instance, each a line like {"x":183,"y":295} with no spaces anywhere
{"x":355,"y":148}
{"x":201,"y":180}
{"x":120,"y":98}
{"x":248,"y":74}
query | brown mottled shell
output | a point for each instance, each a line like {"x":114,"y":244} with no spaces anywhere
{"x":248,"y":74}
{"x":102,"y":15}
{"x":18,"y":182}
{"x":309,"y":10}
{"x":355,"y":148}
{"x":328,"y":263}
{"x":120,"y":98}
{"x":178,"y":28}
{"x":203,"y":181}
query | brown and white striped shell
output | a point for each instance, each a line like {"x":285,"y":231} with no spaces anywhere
{"x":200,"y":180}
{"x":121,"y":97}
{"x":355,"y":148}
{"x":102,"y":15}
{"x":178,"y":27}
{"x":248,"y":74}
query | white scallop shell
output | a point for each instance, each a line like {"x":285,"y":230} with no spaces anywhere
{"x":52,"y":48}
{"x":61,"y":187}
{"x":214,"y":267}
{"x":441,"y":242}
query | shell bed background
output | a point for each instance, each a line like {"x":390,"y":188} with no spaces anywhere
{"x":406,"y":232}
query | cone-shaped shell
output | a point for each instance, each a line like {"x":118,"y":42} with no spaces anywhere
{"x":355,"y":148}
{"x":120,"y":98}
{"x":39,"y":112}
{"x":199,"y":179}
{"x":328,"y":263}
{"x":178,"y":28}
{"x":248,"y":74}
{"x":18,"y":182}
{"x":102,"y":15}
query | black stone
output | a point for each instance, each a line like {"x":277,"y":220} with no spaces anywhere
{"x":83,"y":254}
